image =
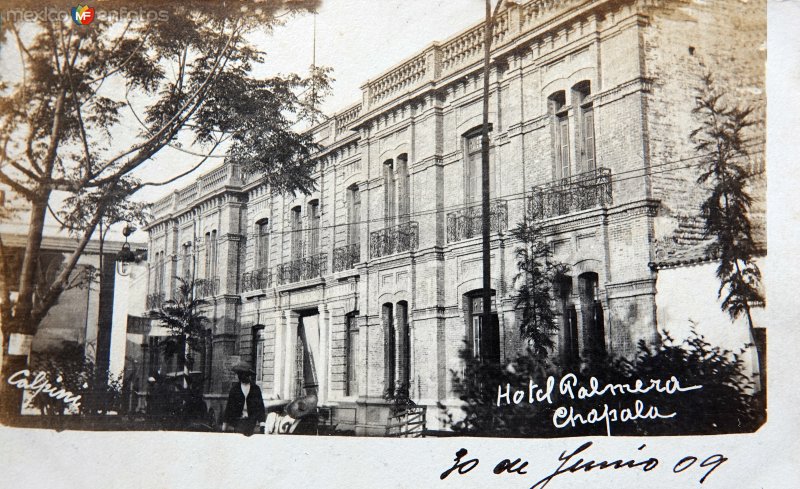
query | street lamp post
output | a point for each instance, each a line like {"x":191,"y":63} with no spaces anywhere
{"x":125,"y":256}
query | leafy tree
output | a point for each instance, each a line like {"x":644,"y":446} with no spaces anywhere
{"x":536,"y":275}
{"x":721,"y":139}
{"x":69,"y":367}
{"x":184,"y":318}
{"x":66,"y":367}
{"x":184,"y":79}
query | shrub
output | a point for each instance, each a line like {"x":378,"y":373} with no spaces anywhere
{"x":724,"y":404}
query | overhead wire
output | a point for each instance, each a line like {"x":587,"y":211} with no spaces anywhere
{"x":634,"y":173}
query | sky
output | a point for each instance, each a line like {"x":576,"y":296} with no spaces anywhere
{"x":358,"y":39}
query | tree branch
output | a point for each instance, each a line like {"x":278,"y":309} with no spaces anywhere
{"x":81,"y":126}
{"x":26,"y":192}
{"x":25,"y":171}
{"x":166,"y":182}
{"x":50,"y":298}
{"x":167,"y":129}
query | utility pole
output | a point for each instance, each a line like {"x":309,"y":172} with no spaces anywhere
{"x":488,"y":34}
{"x":488,"y":31}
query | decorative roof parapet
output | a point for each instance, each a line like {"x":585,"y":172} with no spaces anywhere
{"x":439,"y":60}
{"x":345,"y":117}
{"x":436,"y":61}
{"x":442,"y":59}
{"x":225,"y":175}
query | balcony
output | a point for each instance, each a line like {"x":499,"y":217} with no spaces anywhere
{"x":256,"y":280}
{"x":395,"y":239}
{"x":206,"y":287}
{"x":154,"y":300}
{"x":576,"y":193}
{"x":346,"y":257}
{"x":304,"y":268}
{"x":467,"y":223}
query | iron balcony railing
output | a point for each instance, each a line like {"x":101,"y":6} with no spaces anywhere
{"x":394,"y":239}
{"x":154,"y":300}
{"x":346,"y":257}
{"x":304,"y":268}
{"x":467,"y":223}
{"x":576,"y":193}
{"x":256,"y":280}
{"x":206,"y":287}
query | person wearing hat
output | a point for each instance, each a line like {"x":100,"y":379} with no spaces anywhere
{"x":244,"y":411}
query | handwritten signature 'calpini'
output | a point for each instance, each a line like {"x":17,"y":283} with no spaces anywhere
{"x":39,"y":384}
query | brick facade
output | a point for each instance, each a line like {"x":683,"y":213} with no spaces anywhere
{"x":384,"y":295}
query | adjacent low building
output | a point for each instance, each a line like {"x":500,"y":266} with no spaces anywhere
{"x":373,"y":281}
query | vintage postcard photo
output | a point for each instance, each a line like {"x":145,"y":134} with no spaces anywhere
{"x":505,"y":218}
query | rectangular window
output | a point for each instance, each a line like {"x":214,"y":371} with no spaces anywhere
{"x":214,"y":261}
{"x":297,"y":240}
{"x":474,"y":170}
{"x":351,"y":381}
{"x":156,"y":270}
{"x":355,"y":215}
{"x":563,"y":146}
{"x":388,"y":347}
{"x":257,"y":352}
{"x":388,"y":188}
{"x":207,"y":255}
{"x":313,"y":231}
{"x":211,"y":254}
{"x":588,"y":139}
{"x":154,"y":353}
{"x":485,"y":339}
{"x":263,"y":244}
{"x":477,"y":334}
{"x":403,"y":190}
{"x":162,"y":271}
{"x":187,"y":261}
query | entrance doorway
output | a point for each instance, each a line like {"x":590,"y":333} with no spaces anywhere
{"x":307,"y":355}
{"x":484,"y":339}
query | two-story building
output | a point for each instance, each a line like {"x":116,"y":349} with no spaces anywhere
{"x":374,"y":279}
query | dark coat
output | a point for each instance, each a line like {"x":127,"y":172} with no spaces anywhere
{"x":235,"y":405}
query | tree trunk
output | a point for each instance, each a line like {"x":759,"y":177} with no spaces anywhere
{"x":22,"y":312}
{"x":21,"y":323}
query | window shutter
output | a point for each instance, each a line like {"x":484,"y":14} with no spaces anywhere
{"x":588,"y":131}
{"x":564,"y":140}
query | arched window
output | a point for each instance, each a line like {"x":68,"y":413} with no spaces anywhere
{"x":557,"y":105}
{"x":187,"y":261}
{"x":569,"y":321}
{"x":585,"y":124}
{"x":403,"y":345}
{"x":473,"y":168}
{"x":351,"y":354}
{"x":483,"y":339}
{"x":389,"y":191}
{"x":162,"y":272}
{"x":257,"y":351}
{"x":403,"y":189}
{"x":262,"y":244}
{"x":388,"y":348}
{"x":211,"y":254}
{"x":313,"y":227}
{"x":354,"y":214}
{"x":297,"y":237}
{"x":592,"y":311}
